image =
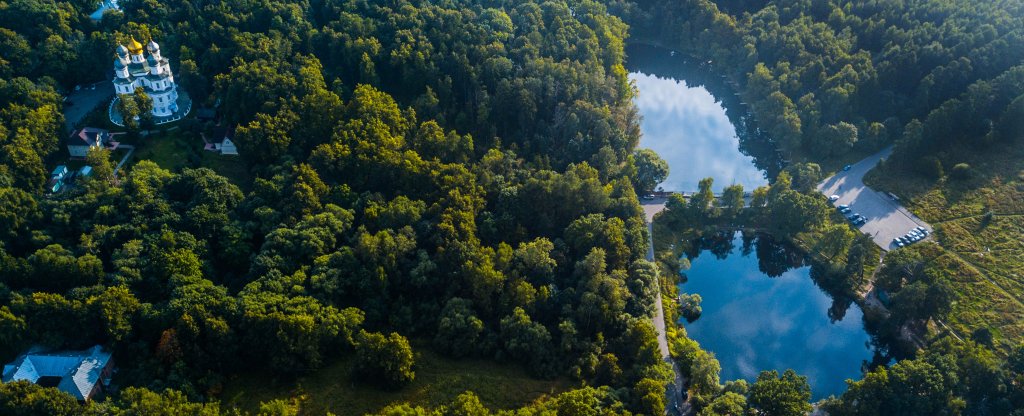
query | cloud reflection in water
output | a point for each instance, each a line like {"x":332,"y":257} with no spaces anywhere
{"x":753,"y":322}
{"x":691,"y":131}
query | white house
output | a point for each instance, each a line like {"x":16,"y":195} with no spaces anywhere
{"x":133,"y":69}
{"x":227,"y":147}
{"x":222,"y":142}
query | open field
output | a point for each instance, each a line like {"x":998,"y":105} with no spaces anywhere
{"x":167,"y":150}
{"x":979,"y":224}
{"x":438,"y":381}
{"x":175,"y":150}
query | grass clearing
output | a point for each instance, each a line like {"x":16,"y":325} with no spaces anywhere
{"x":980,"y":227}
{"x":230,"y":167}
{"x":168,"y":150}
{"x":178,"y":149}
{"x":438,"y":381}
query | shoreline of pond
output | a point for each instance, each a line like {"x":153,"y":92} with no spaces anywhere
{"x":874,"y":311}
{"x":765,"y":292}
{"x":653,"y":59}
{"x":726,"y":91}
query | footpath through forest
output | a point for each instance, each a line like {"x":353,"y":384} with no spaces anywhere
{"x":676,"y":403}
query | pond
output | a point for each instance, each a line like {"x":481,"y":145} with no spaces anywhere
{"x":699,"y":133}
{"x":761,"y":308}
{"x":763,"y":311}
{"x":103,"y":7}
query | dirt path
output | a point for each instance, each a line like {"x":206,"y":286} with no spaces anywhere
{"x":981,"y":272}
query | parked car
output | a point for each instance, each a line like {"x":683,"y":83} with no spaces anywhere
{"x":847,"y":167}
{"x":649,"y":196}
{"x":833,"y":198}
{"x":845,"y":210}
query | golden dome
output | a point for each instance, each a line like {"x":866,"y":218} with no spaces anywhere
{"x":135,"y":47}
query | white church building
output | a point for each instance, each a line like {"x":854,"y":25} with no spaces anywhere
{"x":133,"y":69}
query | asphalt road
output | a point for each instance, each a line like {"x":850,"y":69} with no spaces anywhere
{"x":887,"y":219}
{"x":677,"y":403}
{"x":652,"y":207}
{"x":85,"y":100}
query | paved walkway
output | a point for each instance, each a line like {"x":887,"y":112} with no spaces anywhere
{"x":887,"y":219}
{"x":676,"y":401}
{"x":131,"y":149}
{"x":651,"y":208}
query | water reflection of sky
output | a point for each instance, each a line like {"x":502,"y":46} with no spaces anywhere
{"x":103,"y":7}
{"x":691,"y":131}
{"x":753,"y":323}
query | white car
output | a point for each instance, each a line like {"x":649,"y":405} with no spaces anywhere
{"x":833,"y":198}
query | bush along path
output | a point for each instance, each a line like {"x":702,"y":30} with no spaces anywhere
{"x":676,"y":402}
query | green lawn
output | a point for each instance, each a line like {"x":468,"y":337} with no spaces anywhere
{"x":980,"y":226}
{"x":177,"y":149}
{"x":168,"y":150}
{"x":438,"y":381}
{"x":230,"y":167}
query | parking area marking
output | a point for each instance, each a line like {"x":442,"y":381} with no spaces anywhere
{"x":886,"y":218}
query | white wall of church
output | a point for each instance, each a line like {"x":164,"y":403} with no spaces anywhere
{"x":162,"y":90}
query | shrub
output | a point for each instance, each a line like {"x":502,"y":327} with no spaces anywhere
{"x":961,"y":171}
{"x":689,"y":306}
{"x":385,"y":360}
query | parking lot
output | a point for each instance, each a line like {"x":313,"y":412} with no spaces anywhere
{"x":85,"y":100}
{"x":886,"y":218}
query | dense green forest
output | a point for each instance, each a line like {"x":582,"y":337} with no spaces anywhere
{"x":456,"y":174}
{"x":461,"y":176}
{"x":829,"y":77}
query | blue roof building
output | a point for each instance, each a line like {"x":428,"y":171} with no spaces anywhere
{"x":79,"y":373}
{"x":59,"y":172}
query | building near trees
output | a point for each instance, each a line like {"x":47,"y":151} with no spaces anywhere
{"x":138,"y":68}
{"x":221,"y":142}
{"x":133,"y":69}
{"x":82,"y":140}
{"x":82,"y":374}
